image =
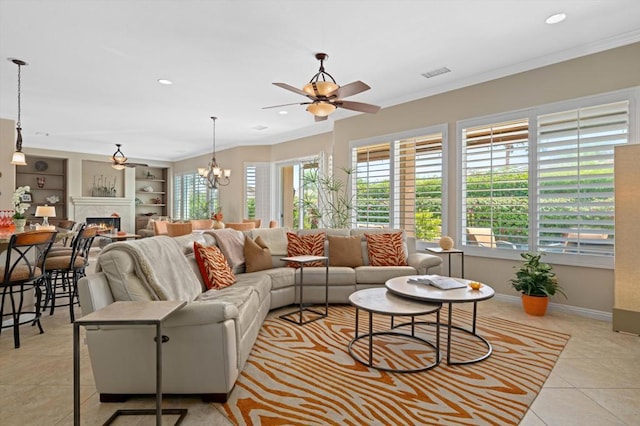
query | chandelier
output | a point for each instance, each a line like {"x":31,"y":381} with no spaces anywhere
{"x":18,"y":158}
{"x":213,"y":176}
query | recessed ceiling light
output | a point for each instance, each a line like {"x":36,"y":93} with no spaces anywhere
{"x":283,"y":112}
{"x":164,"y":81}
{"x":555,"y":19}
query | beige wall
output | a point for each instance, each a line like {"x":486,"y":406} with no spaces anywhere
{"x":7,"y":171}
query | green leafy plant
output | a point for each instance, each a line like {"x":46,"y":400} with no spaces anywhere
{"x":536,"y":278}
{"x":329,"y":204}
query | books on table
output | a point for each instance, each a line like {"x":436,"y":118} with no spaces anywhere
{"x":443,"y":283}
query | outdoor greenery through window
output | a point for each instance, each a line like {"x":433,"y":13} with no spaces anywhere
{"x":191,"y":198}
{"x":257,"y":191}
{"x":543,"y":182}
{"x":399,"y":184}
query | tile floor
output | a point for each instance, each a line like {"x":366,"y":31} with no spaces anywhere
{"x":596,"y":381}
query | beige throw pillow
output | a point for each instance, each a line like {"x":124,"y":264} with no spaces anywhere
{"x":256,"y":255}
{"x":345,"y":251}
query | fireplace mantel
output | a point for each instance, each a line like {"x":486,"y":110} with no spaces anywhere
{"x":105,"y":206}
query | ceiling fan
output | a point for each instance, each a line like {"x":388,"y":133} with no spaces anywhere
{"x":120,"y":161}
{"x":325,"y":95}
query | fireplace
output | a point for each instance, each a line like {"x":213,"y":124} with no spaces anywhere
{"x":106,"y":223}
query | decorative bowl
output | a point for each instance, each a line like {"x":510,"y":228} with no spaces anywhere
{"x":475,"y":285}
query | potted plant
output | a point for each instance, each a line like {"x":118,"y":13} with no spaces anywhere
{"x":20,"y":204}
{"x":536,"y":281}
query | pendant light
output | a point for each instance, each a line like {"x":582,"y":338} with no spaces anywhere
{"x":214,"y":176}
{"x":18,"y":158}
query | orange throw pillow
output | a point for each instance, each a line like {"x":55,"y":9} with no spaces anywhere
{"x":305,"y":245}
{"x":386,"y":249}
{"x":215,"y":270}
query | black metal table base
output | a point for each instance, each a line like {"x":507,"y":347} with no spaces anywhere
{"x":471,"y":332}
{"x":438,"y":355}
{"x":148,"y":411}
{"x":412,"y":336}
{"x":300,"y":321}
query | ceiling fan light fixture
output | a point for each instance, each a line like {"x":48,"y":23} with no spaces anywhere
{"x":320,"y":88}
{"x":321,"y":109}
{"x":118,"y":166}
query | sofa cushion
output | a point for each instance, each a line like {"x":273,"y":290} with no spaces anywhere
{"x":231,"y":243}
{"x":281,"y":277}
{"x":215,"y":270}
{"x":305,"y":245}
{"x":274,"y":238}
{"x":148,"y":269}
{"x":186,"y":241}
{"x":380,"y":274}
{"x":256,"y":254}
{"x":344,"y":251}
{"x":338,"y":276}
{"x":386,"y":249}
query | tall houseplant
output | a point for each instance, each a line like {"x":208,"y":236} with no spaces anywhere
{"x":536,"y":281}
{"x":332,"y":205}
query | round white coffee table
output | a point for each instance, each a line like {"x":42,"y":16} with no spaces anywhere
{"x":380,"y":301}
{"x":428,"y":293}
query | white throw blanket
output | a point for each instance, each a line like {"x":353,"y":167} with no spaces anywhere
{"x":161,"y":267}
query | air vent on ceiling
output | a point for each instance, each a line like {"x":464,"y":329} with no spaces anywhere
{"x":436,"y":72}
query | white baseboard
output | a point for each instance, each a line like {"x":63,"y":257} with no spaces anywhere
{"x":559,"y":307}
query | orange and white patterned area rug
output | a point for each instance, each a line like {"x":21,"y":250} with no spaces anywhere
{"x":304,"y":375}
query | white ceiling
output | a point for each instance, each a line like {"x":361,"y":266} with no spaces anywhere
{"x":93,"y":66}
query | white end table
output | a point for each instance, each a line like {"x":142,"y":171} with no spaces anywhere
{"x":128,"y":313}
{"x":302,"y":260}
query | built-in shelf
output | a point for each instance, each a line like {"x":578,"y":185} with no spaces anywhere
{"x":145,"y":199}
{"x":45,"y":176}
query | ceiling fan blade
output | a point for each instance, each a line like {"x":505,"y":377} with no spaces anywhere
{"x":283,"y":105}
{"x":320,"y":118}
{"x":358,"y":106}
{"x":292,"y":89}
{"x":349,"y":90}
{"x":135,"y":164}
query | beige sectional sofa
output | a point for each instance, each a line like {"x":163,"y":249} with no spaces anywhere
{"x":210,"y":338}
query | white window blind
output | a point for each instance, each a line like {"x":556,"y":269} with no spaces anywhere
{"x":495,"y":168}
{"x":258,"y":192}
{"x":195,"y":200}
{"x":371,"y":185}
{"x":575,"y":188}
{"x":418,"y":186}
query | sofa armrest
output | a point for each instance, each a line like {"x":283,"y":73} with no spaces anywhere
{"x":424,"y":263}
{"x":201,"y":313}
{"x":94,"y":292}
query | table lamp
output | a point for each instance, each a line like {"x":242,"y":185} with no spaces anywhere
{"x":45,"y":212}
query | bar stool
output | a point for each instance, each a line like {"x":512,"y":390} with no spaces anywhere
{"x":65,"y":269}
{"x":21,"y":272}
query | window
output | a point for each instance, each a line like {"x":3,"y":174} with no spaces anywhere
{"x":544,"y":181}
{"x":495,"y":184}
{"x":400,"y":183}
{"x":257,"y":192}
{"x":191,"y":197}
{"x":574,"y":185}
